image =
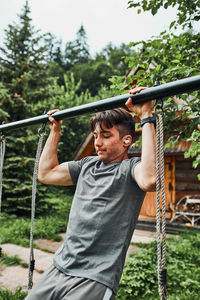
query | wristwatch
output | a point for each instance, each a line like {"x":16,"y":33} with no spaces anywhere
{"x":148,"y":120}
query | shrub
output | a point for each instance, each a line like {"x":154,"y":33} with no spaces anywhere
{"x":8,"y":295}
{"x":139,"y":279}
{"x":16,"y":230}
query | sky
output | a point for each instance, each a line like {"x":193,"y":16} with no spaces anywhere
{"x":104,"y":20}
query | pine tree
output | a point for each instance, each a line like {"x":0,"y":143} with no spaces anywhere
{"x":77,"y":51}
{"x":55,"y":59}
{"x":24,"y":87}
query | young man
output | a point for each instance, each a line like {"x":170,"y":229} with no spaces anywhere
{"x":110,"y":189}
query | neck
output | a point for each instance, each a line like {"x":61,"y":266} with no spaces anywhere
{"x":117,"y":159}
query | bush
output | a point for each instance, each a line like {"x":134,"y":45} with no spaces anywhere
{"x":139,"y":279}
{"x":16,"y":230}
{"x":139,"y":276}
{"x":8,"y":295}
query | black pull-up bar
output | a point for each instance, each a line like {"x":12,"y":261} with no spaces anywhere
{"x":164,"y":90}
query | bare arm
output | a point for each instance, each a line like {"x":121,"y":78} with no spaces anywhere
{"x":145,"y":171}
{"x":50,"y":171}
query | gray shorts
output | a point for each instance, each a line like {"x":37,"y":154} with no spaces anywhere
{"x":55,"y":285}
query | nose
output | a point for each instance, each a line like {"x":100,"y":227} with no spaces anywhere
{"x":98,"y":142}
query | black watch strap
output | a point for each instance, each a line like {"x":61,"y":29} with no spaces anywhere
{"x":148,"y":120}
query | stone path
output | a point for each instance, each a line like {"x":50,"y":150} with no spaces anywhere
{"x":42,"y":259}
{"x":12,"y":277}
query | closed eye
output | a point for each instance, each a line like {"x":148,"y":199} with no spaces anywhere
{"x":106,"y":136}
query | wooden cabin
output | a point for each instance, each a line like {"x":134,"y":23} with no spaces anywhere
{"x":180,"y":177}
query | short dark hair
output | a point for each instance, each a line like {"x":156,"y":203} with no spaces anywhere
{"x":118,"y":117}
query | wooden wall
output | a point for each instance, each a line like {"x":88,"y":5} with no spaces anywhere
{"x":186,"y":179}
{"x":149,"y":206}
{"x":180,"y":180}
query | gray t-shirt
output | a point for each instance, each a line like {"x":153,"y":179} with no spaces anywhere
{"x":102,"y":219}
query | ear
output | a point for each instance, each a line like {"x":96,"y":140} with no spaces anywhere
{"x":127,"y":140}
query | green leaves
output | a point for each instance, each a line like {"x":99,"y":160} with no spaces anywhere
{"x":16,"y":230}
{"x":172,"y":24}
{"x":18,"y":294}
{"x":139,"y":279}
{"x":168,"y":58}
{"x":24,"y":83}
{"x":187,"y":11}
{"x":194,"y":151}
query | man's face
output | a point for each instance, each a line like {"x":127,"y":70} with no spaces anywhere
{"x":108,"y":144}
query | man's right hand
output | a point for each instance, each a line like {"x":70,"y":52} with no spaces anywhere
{"x":54,"y":125}
{"x":50,"y":171}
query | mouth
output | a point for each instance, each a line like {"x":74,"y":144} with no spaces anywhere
{"x":100,"y":151}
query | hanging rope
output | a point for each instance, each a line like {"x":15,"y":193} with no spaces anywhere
{"x":2,"y":154}
{"x":34,"y":188}
{"x":160,"y":191}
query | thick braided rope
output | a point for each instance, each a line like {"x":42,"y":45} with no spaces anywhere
{"x":34,"y":187}
{"x":158,"y":198}
{"x":161,"y":250}
{"x":162,"y":175}
{"x":2,"y":154}
{"x":163,"y":192}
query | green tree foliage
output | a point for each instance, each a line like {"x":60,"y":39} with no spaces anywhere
{"x":33,"y":80}
{"x":35,"y":76}
{"x":23,"y":84}
{"x":75,"y":129}
{"x":91,"y":72}
{"x":115,"y":57}
{"x":77,"y":51}
{"x":55,"y":58}
{"x":187,"y":11}
{"x":97,"y":71}
{"x":169,"y":57}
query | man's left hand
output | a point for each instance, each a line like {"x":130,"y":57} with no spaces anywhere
{"x":143,"y":110}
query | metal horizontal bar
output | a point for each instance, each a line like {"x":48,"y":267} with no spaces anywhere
{"x":164,"y":90}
